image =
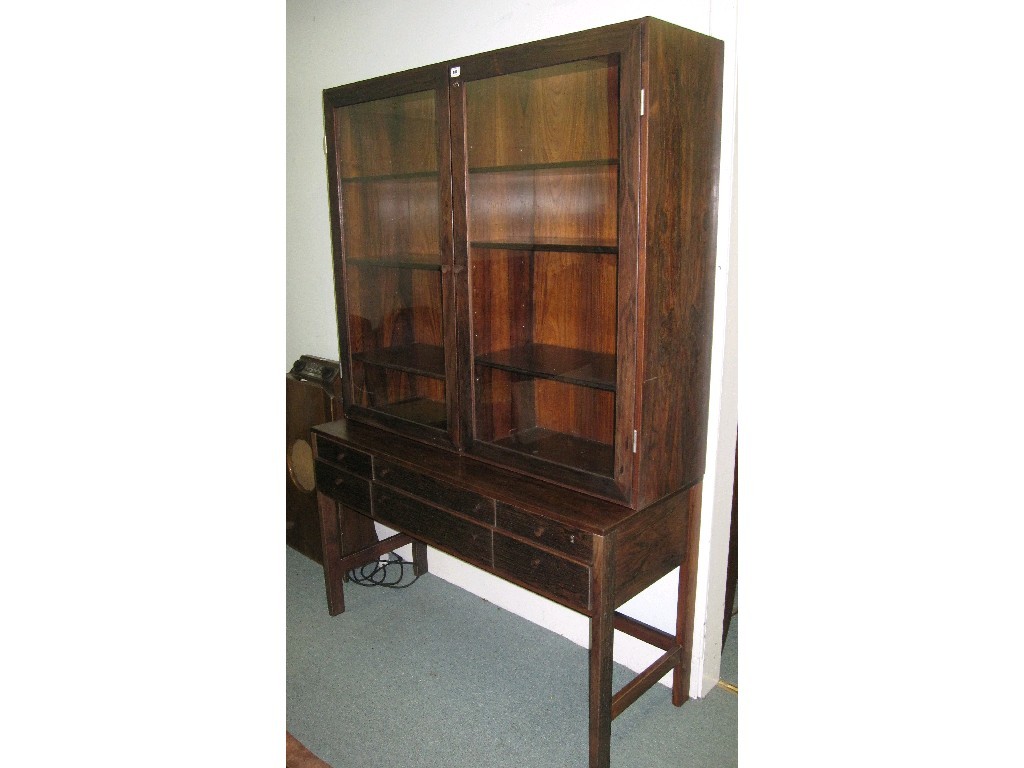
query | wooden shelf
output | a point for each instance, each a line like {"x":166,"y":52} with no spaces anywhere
{"x":404,"y":261}
{"x":563,"y":165}
{"x":574,"y":366}
{"x":418,"y":359}
{"x":561,"y":244}
{"x":558,"y":448}
{"x":419,"y":410}
{"x":406,"y":176}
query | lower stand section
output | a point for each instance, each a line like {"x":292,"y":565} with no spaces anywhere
{"x":588,"y":555}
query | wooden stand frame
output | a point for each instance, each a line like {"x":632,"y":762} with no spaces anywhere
{"x":629,"y":554}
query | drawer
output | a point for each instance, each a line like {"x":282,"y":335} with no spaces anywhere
{"x":571,"y":541}
{"x":351,"y":490}
{"x":435,"y":526}
{"x":437,"y":492}
{"x":550,"y":575}
{"x":342,"y":456}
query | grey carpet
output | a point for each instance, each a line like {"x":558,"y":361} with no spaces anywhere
{"x":434,"y":676}
{"x":730,"y":670}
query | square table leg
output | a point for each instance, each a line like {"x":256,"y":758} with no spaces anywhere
{"x":602,"y":633}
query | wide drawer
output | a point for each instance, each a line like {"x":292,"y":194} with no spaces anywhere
{"x":436,"y":492}
{"x":461,"y":538}
{"x":349,"y":489}
{"x":571,"y":541}
{"x":342,"y":456}
{"x":548,"y":574}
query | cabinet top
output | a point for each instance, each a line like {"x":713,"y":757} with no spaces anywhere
{"x":503,"y":60}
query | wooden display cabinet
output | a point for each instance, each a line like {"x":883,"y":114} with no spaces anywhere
{"x":524,"y":247}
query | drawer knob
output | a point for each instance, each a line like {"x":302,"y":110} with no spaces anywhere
{"x":339,"y":481}
{"x":572,"y":538}
{"x":535,"y":563}
{"x":539,"y":531}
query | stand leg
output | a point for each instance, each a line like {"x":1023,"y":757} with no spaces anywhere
{"x":602,"y":631}
{"x":687,"y":598}
{"x":419,"y":558}
{"x":333,"y":574}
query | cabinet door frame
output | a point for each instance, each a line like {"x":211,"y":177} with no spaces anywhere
{"x":622,"y":41}
{"x":431,"y":78}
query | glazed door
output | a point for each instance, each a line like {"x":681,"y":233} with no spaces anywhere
{"x":545,"y":161}
{"x":390,"y":183}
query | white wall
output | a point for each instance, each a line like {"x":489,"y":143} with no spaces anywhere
{"x":331,"y":43}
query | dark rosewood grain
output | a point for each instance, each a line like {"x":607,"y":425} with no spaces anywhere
{"x":351,"y":490}
{"x":684,"y":97}
{"x":602,"y":634}
{"x":645,"y":632}
{"x":687,"y":597}
{"x":445,"y":531}
{"x":573,"y":542}
{"x":347,"y":458}
{"x":575,"y":366}
{"x":550,"y":244}
{"x":570,"y":508}
{"x":556,"y":577}
{"x":416,"y":358}
{"x":437,"y":492}
{"x":650,"y":546}
{"x":643,"y":682}
{"x":331,"y":543}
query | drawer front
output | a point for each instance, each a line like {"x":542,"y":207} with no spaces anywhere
{"x":434,"y":526}
{"x":465,"y":502}
{"x":356,"y":462}
{"x":548,"y":574}
{"x":351,"y":490}
{"x":571,"y":541}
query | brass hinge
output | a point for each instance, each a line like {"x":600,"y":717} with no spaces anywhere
{"x":641,"y":102}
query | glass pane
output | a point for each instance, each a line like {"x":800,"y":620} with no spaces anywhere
{"x":543,"y":227}
{"x":389,"y":184}
{"x":543,"y":232}
{"x":551,"y":420}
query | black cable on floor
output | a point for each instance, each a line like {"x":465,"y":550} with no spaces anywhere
{"x":375,"y":574}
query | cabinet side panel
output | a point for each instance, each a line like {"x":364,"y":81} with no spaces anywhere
{"x":683,"y":110}
{"x":651,"y":544}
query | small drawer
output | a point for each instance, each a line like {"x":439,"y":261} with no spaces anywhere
{"x":342,"y":456}
{"x":351,"y":490}
{"x":436,"y":492}
{"x":462,"y":538}
{"x":547,"y":574}
{"x":571,"y":541}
